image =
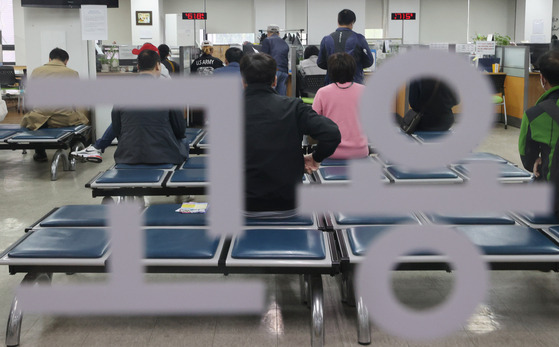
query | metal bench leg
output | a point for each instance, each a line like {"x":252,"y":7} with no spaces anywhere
{"x":363,"y":325}
{"x":13,"y":328}
{"x":317,"y":323}
{"x":54,"y":165}
{"x":350,"y":289}
{"x":73,"y":160}
{"x":303,"y":289}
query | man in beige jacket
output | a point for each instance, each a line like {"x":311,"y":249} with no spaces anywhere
{"x":53,"y":118}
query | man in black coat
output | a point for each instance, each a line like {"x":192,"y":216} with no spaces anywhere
{"x":274,"y":129}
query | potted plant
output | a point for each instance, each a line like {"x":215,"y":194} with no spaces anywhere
{"x":105,"y":64}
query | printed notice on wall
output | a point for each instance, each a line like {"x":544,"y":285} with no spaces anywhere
{"x":94,"y":22}
{"x":485,"y":47}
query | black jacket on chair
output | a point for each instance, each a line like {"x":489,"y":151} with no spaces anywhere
{"x":437,"y":112}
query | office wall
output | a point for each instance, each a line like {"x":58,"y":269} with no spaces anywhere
{"x":268,"y":12}
{"x":520,"y":20}
{"x":323,"y":17}
{"x":373,"y":14}
{"x":537,"y":27}
{"x":443,"y":21}
{"x":19,"y":33}
{"x":411,"y":28}
{"x":484,"y":19}
{"x":224,"y":16}
{"x":47,"y":28}
{"x":146,"y":33}
{"x":119,"y":23}
{"x":296,"y":14}
{"x":555,"y":16}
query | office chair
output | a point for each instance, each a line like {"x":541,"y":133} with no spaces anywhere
{"x":499,"y":86}
{"x":7,"y":76}
{"x":310,"y":84}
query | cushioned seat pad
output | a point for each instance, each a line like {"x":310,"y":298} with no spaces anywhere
{"x":292,"y":221}
{"x":144,"y":166}
{"x":166,"y":215}
{"x":427,"y":136}
{"x":131,"y":176}
{"x":334,"y":173}
{"x":485,"y":218}
{"x":539,"y":218}
{"x":189,"y":176}
{"x":509,"y":239}
{"x":77,"y":216}
{"x":360,"y":237}
{"x":63,"y":243}
{"x":180,"y":244}
{"x":45,"y":134}
{"x":505,"y":171}
{"x":6,"y":133}
{"x":483,"y":156}
{"x":402,"y":174}
{"x":345,"y":219}
{"x":194,"y":163}
{"x":279,"y":244}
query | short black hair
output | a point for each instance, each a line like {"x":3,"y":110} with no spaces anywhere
{"x":341,"y":67}
{"x":549,"y":67}
{"x":258,"y":68}
{"x":59,"y":54}
{"x":346,"y":17}
{"x":310,"y":51}
{"x":147,"y":60}
{"x":234,"y":55}
{"x":164,"y":50}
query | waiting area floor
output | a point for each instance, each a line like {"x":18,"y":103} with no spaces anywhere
{"x":521,"y":309}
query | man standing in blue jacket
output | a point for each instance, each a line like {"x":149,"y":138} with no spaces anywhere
{"x":344,"y":39}
{"x":279,"y":50}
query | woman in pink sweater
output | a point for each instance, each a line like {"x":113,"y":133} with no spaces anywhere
{"x":339,"y":101}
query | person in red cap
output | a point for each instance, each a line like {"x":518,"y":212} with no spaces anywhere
{"x":147,"y":45}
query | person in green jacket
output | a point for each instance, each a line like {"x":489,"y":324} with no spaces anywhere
{"x":539,"y":130}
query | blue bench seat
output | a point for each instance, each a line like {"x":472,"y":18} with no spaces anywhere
{"x":144,"y":166}
{"x":180,"y":244}
{"x":194,"y":163}
{"x":291,"y":244}
{"x":442,"y":174}
{"x":6,"y":133}
{"x":45,"y":134}
{"x":63,"y":243}
{"x":538,"y":218}
{"x":481,"y":218}
{"x":431,"y":136}
{"x":188,"y":177}
{"x":351,"y":219}
{"x":483,"y":156}
{"x":507,"y":172}
{"x":166,"y":215}
{"x":77,"y":216}
{"x":138,"y":177}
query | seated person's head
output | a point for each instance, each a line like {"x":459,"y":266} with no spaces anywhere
{"x":164,"y":51}
{"x":59,"y":54}
{"x":341,"y":68}
{"x":233,"y":55}
{"x":549,"y":67}
{"x":149,"y":61}
{"x":258,"y":68}
{"x":310,"y":51}
{"x":207,"y":47}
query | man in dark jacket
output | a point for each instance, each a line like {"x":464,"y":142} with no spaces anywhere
{"x":149,"y":136}
{"x":344,"y":39}
{"x":274,"y":129}
{"x":539,"y":131}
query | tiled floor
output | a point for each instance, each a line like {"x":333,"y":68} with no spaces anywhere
{"x":521,"y":308}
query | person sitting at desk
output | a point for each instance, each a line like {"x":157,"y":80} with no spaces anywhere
{"x":53,"y":118}
{"x":339,"y":101}
{"x":274,"y":129}
{"x":149,"y":136}
{"x":308,"y":66}
{"x":233,"y":58}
